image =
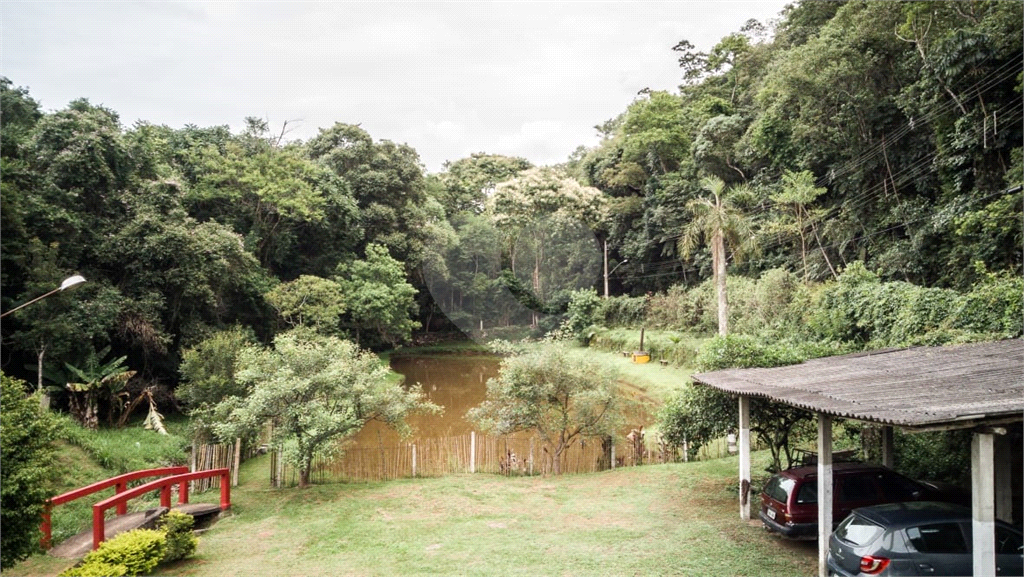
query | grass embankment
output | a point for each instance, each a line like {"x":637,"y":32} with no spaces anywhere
{"x":677,"y":519}
{"x":679,"y":349}
{"x":84,"y":457}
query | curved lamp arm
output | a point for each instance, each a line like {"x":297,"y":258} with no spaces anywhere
{"x":71,"y":281}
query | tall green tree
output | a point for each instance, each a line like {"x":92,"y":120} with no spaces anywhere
{"x":309,"y":301}
{"x":381,"y":304}
{"x":208,"y":376}
{"x":797,"y":195}
{"x":467,"y":182}
{"x":386,"y":180}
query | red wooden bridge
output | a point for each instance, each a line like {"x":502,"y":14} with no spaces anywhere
{"x":167,"y":477}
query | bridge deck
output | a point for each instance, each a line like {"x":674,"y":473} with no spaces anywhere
{"x":76,"y":547}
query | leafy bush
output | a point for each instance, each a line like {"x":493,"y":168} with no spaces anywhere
{"x":994,"y":306}
{"x":774,"y":304}
{"x":138,"y":552}
{"x":181,"y":542}
{"x":95,"y":569}
{"x":744,"y":351}
{"x":28,"y":433}
{"x":624,"y":311}
{"x":583,"y":308}
{"x":859,"y":308}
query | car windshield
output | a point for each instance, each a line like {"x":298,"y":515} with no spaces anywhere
{"x":857,"y":530}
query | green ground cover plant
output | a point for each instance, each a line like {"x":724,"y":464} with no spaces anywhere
{"x":131,"y":448}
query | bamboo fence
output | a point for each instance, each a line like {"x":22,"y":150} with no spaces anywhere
{"x":206,"y":457}
{"x":518,"y":454}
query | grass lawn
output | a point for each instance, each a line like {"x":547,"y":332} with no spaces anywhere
{"x":677,"y":519}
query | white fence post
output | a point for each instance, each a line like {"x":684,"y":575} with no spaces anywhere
{"x":472,"y":451}
{"x":414,"y":459}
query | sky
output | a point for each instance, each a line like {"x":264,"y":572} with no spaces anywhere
{"x":527,"y":79}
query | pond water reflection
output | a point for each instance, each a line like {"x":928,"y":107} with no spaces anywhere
{"x":457,"y":383}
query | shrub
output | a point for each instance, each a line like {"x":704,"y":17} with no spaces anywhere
{"x":994,"y":306}
{"x":583,"y":309}
{"x":28,"y":434}
{"x":744,"y":351}
{"x":95,"y":569}
{"x":859,"y":308}
{"x":181,"y":542}
{"x":138,"y":552}
{"x":624,"y":311}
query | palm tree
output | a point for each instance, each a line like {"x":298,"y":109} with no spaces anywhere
{"x":718,"y":221}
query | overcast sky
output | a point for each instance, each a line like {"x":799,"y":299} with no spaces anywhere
{"x":528,"y":79}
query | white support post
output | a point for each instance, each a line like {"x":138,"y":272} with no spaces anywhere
{"x":824,"y":490}
{"x":472,"y":451}
{"x":414,"y":459}
{"x":744,"y":408}
{"x":888,"y":448}
{"x":1004,"y":483}
{"x":983,"y":504}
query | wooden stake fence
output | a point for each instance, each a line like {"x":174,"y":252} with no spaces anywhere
{"x":518,"y":454}
{"x":206,"y":457}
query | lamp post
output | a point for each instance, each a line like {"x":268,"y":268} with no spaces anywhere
{"x":607,"y":272}
{"x":71,"y":281}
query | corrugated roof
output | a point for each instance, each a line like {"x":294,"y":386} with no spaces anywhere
{"x":919,"y":387}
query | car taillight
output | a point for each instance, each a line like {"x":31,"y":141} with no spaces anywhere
{"x":873,"y":565}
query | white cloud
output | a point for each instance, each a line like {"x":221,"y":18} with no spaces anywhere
{"x":523,"y":78}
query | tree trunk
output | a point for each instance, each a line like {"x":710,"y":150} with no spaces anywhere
{"x":91,"y":419}
{"x":304,"y":470}
{"x":718,"y":259}
{"x":44,"y":398}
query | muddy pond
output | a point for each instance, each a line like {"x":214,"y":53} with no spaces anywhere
{"x":457,"y":383}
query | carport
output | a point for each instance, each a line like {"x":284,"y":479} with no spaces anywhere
{"x":978,"y":387}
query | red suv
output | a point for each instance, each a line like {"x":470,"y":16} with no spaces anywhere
{"x":789,"y":501}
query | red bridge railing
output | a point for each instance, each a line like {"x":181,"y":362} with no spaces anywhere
{"x":120,"y":500}
{"x":121,"y":485}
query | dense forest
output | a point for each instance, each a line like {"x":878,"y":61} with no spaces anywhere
{"x":883,"y":133}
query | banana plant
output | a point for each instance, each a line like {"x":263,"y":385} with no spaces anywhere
{"x":95,"y":381}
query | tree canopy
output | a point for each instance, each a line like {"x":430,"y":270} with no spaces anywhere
{"x":884,"y":133}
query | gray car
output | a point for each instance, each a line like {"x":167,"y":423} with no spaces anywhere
{"x":917,"y":538}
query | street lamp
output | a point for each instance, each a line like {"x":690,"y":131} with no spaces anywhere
{"x":71,"y":281}
{"x":608,"y":273}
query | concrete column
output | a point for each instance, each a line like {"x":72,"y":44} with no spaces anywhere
{"x":888,"y":449}
{"x":1003,"y":460}
{"x":983,"y":504}
{"x":744,"y":458}
{"x":824,"y":490}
